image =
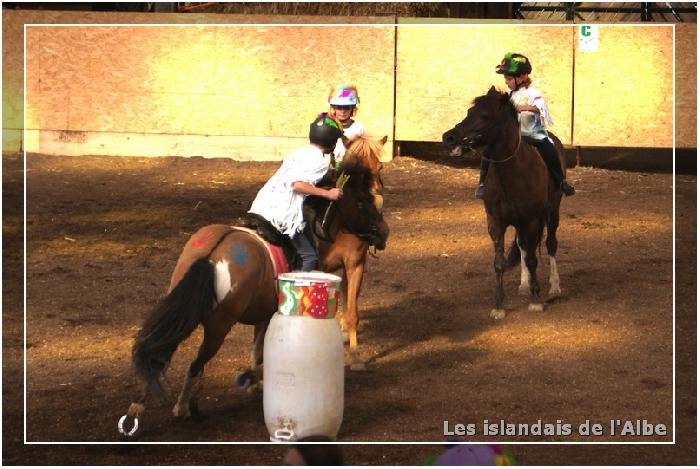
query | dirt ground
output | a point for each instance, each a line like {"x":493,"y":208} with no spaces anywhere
{"x":103,"y":235}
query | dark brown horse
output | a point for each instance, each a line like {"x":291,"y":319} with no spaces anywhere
{"x":518,"y":192}
{"x":225,"y":276}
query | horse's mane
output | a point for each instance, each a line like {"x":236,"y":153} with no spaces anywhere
{"x":497,"y":103}
{"x":360,"y":175}
{"x":364,"y":149}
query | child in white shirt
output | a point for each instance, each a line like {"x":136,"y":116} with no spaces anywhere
{"x":280,"y":200}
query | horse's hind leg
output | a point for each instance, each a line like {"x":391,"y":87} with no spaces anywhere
{"x":524,"y":288}
{"x":531,"y":238}
{"x":251,"y":380}
{"x":216,"y":326}
{"x":552,"y":244}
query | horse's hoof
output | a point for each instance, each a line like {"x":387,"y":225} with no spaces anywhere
{"x":554,"y":293}
{"x":255,"y":388}
{"x":524,"y":289}
{"x":358,"y":367}
{"x":245,"y":379}
{"x":535,"y":307}
{"x":498,"y":314}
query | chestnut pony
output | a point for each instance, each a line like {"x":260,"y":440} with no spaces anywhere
{"x":225,"y":276}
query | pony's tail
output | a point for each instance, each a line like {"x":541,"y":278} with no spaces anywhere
{"x":513,"y":257}
{"x":172,"y":321}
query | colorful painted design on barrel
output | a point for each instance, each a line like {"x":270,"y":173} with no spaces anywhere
{"x":312,"y":294}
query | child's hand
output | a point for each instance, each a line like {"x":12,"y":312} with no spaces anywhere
{"x":334,"y":194}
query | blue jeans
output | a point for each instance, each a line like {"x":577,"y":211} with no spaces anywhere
{"x":306,"y":249}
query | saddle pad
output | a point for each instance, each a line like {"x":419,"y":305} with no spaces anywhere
{"x":276,"y":253}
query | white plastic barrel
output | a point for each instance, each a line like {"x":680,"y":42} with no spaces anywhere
{"x":303,"y":372}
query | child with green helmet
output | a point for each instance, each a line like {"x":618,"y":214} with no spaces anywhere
{"x":280,"y":200}
{"x":533,"y":115}
{"x":343,"y":101}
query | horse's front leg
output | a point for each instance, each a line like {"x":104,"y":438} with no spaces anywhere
{"x":497,"y":233}
{"x":340,"y":313}
{"x":354,"y":273}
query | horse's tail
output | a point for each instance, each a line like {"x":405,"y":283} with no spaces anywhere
{"x":172,"y":321}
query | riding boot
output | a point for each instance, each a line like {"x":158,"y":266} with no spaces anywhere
{"x":479,"y":194}
{"x":551,"y":160}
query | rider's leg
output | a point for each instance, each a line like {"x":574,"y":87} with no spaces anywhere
{"x":479,"y":194}
{"x":551,"y":159}
{"x":306,"y":249}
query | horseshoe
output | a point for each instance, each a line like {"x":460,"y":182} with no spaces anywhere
{"x":131,"y":432}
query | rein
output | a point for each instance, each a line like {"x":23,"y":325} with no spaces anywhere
{"x":360,"y":235}
{"x":515,"y":152}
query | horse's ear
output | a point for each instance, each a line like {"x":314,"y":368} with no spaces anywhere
{"x":383,"y":140}
{"x":493,"y":90}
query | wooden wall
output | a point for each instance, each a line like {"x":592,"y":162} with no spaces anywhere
{"x":686,"y":85}
{"x":242,"y":91}
{"x":624,"y":91}
{"x":248,"y":92}
{"x":440,"y":69}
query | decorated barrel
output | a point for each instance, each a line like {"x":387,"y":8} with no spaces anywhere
{"x":303,"y":372}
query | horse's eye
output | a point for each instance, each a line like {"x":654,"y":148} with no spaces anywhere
{"x":360,"y":205}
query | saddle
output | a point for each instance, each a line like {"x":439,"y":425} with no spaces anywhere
{"x":272,"y":235}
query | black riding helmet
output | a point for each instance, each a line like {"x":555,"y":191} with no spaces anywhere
{"x":325,"y":131}
{"x":514,"y":65}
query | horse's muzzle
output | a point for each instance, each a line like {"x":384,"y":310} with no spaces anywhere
{"x":378,"y":236}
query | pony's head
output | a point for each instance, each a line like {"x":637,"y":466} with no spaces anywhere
{"x":367,"y":152}
{"x":356,"y":208}
{"x":482,"y":124}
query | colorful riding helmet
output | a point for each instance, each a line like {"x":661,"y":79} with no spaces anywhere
{"x":344,"y":95}
{"x":514,"y":64}
{"x":325,"y":130}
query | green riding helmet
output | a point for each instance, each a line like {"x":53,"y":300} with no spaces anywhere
{"x":514,"y":65}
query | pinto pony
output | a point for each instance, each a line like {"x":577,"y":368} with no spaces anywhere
{"x":518,"y":192}
{"x":226,"y":276}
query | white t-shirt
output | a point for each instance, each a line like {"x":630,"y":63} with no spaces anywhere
{"x":531,"y":124}
{"x":352,"y":132}
{"x":277,"y":201}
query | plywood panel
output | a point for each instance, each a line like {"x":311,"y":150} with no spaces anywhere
{"x":195,"y":80}
{"x":441,"y":68}
{"x":624,"y":91}
{"x":232,"y":80}
{"x":686,"y":85}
